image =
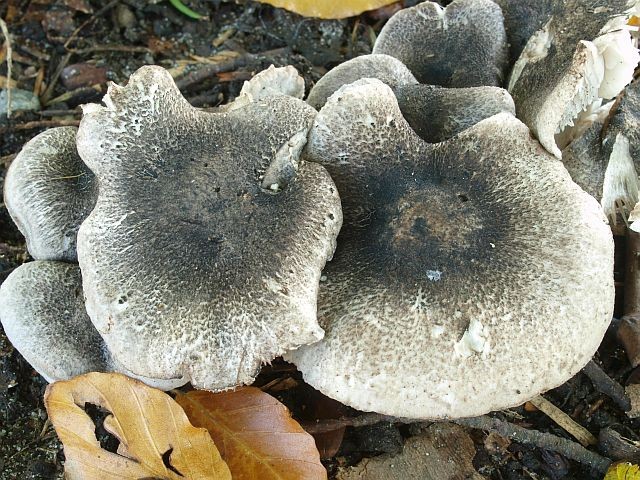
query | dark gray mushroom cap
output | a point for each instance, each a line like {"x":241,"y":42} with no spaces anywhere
{"x":581,"y":55}
{"x":463,"y":45}
{"x":42,"y":313}
{"x":437,"y":113}
{"x":49,"y":191}
{"x":454,"y":289}
{"x":385,"y":68}
{"x":203,"y":254}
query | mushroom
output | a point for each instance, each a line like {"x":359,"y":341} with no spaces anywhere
{"x":48,"y":192}
{"x":42,"y":313}
{"x":435,"y":113}
{"x":605,"y":159}
{"x":268,"y":83}
{"x":459,"y":284}
{"x":203,"y":254}
{"x":582,"y":55}
{"x":385,"y":68}
{"x":462,"y":45}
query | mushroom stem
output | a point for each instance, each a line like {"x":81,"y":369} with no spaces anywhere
{"x":628,"y":331}
{"x":632,"y":273}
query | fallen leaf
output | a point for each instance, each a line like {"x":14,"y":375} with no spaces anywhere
{"x":156,"y":438}
{"x":623,"y":471}
{"x":328,"y":8}
{"x":255,"y":433}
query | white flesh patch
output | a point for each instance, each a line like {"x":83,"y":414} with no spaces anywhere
{"x":536,"y":49}
{"x":620,"y":59}
{"x":473,"y":341}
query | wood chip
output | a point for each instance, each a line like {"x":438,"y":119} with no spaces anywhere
{"x":441,"y":451}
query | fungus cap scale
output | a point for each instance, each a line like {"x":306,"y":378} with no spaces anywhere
{"x":185,"y":252}
{"x":520,"y":301}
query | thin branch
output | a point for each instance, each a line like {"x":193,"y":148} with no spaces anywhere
{"x":605,"y":384}
{"x":546,"y":441}
{"x":5,"y":32}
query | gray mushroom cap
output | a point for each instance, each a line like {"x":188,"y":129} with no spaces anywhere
{"x":583,"y":54}
{"x":42,"y":313}
{"x":385,"y":68}
{"x":454,"y":289}
{"x":203,"y":254}
{"x":437,"y":113}
{"x":268,"y":83}
{"x":49,"y":191}
{"x":462,"y":45}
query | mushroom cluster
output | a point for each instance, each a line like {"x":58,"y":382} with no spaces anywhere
{"x":465,"y":270}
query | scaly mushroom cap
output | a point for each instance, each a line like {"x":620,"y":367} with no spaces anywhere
{"x":385,"y":68}
{"x":454,"y":289}
{"x":203,"y":254}
{"x":437,"y":114}
{"x":583,"y":54}
{"x":42,"y":313}
{"x":463,"y":45}
{"x":49,"y":191}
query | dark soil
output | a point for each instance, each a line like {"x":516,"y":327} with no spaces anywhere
{"x":109,"y":41}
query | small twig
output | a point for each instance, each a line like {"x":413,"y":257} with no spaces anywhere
{"x":584,"y":436}
{"x":607,"y":385}
{"x":229,"y":63}
{"x":41,"y":124}
{"x":366,"y":419}
{"x":54,"y":79}
{"x":110,"y":48}
{"x":5,"y":32}
{"x":542,"y":440}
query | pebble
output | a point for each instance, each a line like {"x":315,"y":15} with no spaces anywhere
{"x":21,"y":100}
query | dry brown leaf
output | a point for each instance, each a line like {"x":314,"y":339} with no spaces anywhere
{"x":256,"y":435}
{"x":329,"y":8}
{"x":148,"y":423}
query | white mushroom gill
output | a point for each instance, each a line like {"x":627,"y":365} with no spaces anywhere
{"x":612,"y":58}
{"x":621,"y":184}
